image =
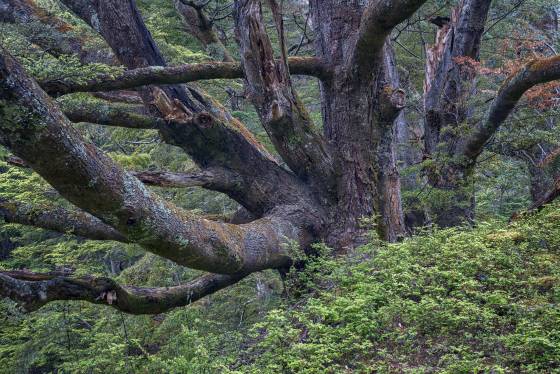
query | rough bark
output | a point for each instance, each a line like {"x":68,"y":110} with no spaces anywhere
{"x":448,"y":86}
{"x":213,"y":179}
{"x":377,"y":21}
{"x":355,"y":126}
{"x":215,"y":138}
{"x":361,"y":104}
{"x":282,"y":114}
{"x":37,"y":131}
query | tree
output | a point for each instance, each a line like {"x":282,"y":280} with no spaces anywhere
{"x":326,"y":183}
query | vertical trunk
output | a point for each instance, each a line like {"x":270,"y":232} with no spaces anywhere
{"x":447,"y":88}
{"x":358,"y":129}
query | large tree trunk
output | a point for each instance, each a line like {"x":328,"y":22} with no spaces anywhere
{"x":326,"y":187}
{"x":448,"y":85}
{"x":358,"y":113}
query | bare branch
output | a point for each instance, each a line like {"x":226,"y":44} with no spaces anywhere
{"x":173,"y":75}
{"x":32,"y":291}
{"x":213,"y":178}
{"x":58,"y":219}
{"x":533,"y":73}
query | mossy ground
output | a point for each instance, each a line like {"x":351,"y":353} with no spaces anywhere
{"x":453,"y":301}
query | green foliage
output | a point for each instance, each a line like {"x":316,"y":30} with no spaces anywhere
{"x":455,"y":301}
{"x":451,"y":301}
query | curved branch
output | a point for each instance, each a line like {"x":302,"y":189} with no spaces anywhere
{"x":32,"y":291}
{"x":213,"y":138}
{"x":214,"y":179}
{"x":174,"y":75}
{"x":110,"y":115}
{"x":533,"y":73}
{"x":58,"y":219}
{"x":378,"y":20}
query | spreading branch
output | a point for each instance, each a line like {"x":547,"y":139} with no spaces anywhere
{"x":214,"y":179}
{"x":174,"y":75}
{"x":32,"y":291}
{"x":58,"y":219}
{"x":213,"y":138}
{"x":35,"y":129}
{"x":533,"y":73}
{"x":108,"y":114}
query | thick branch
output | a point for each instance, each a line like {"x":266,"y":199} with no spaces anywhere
{"x":378,"y":19}
{"x":214,"y":179}
{"x":32,"y":291}
{"x":174,"y":75}
{"x":36,"y":130}
{"x":58,"y":219}
{"x":533,"y":73}
{"x":284,"y":117}
{"x":214,"y":138}
{"x":110,"y":115}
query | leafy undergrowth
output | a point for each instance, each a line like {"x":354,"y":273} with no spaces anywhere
{"x":447,"y":301}
{"x":454,"y":301}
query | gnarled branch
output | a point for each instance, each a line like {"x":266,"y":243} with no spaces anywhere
{"x":32,"y":291}
{"x":213,"y":138}
{"x":533,"y":73}
{"x":378,"y":20}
